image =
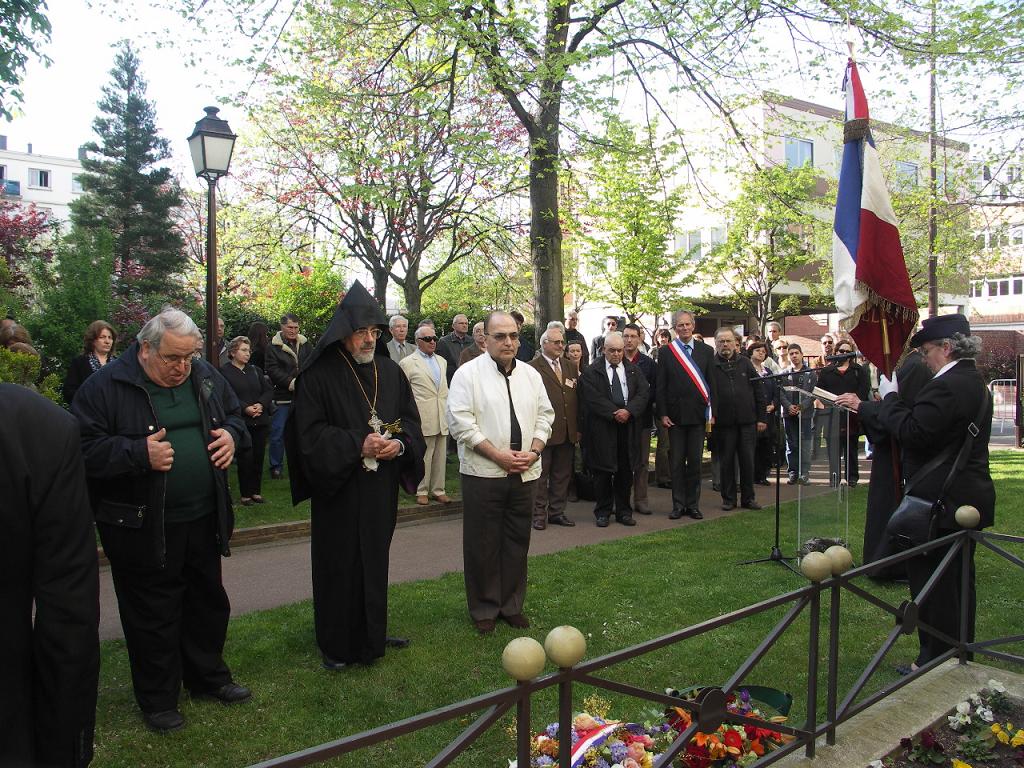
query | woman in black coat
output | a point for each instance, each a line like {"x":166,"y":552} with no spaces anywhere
{"x":844,"y":428}
{"x":98,"y":344}
{"x":765,"y":454}
{"x":259,"y":340}
{"x":256,"y":398}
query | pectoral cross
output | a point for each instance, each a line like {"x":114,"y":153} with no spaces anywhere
{"x":375,"y":422}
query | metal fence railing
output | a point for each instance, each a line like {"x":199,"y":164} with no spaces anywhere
{"x":709,"y":711}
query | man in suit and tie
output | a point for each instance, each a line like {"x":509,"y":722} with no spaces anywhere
{"x":683,"y":405}
{"x":398,"y":347}
{"x":615,"y":398}
{"x":561,"y":378}
{"x":426,"y":371}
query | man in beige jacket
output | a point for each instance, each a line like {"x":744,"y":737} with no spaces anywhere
{"x":426,"y":371}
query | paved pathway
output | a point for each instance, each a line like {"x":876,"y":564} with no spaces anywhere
{"x":268,"y":575}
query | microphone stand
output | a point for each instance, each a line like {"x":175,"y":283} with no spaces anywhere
{"x":776,"y":555}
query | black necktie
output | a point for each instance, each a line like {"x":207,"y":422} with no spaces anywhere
{"x":617,"y":388}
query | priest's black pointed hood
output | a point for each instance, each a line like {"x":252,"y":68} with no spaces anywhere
{"x":357,"y":310}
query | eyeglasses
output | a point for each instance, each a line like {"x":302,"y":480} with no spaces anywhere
{"x":428,"y":339}
{"x":173,"y":361}
{"x":513,"y":336}
{"x":556,"y":341}
{"x":374,"y":332}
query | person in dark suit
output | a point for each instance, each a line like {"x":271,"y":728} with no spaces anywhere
{"x":799,"y":416}
{"x":49,"y":587}
{"x":572,"y":334}
{"x":561,"y":381}
{"x":939,"y":420}
{"x":631,"y":336}
{"x":615,"y":398}
{"x":99,"y":341}
{"x":611,"y":324}
{"x":683,"y":406}
{"x":738,"y":406}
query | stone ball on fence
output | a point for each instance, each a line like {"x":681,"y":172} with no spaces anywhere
{"x":840,"y":558}
{"x":816,"y":566}
{"x":968,"y":516}
{"x":565,"y":646}
{"x":523,"y":658}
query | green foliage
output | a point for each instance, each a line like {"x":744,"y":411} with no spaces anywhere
{"x":771,"y":227}
{"x":24,"y":369}
{"x":74,"y":290}
{"x":24,"y":29}
{"x":124,"y":193}
{"x":238,"y":313}
{"x":624,"y":222}
{"x":312,"y":295}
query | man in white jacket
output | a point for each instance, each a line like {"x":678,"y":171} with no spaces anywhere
{"x":499,"y":412}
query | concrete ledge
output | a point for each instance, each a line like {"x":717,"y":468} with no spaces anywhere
{"x":876,"y":731}
{"x":264,"y":534}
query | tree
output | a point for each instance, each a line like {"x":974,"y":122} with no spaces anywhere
{"x":626,"y":218}
{"x":24,"y":240}
{"x":74,"y":290}
{"x":770,"y":234}
{"x":124,"y":193}
{"x":312,"y":294}
{"x":24,"y":29}
{"x":400,"y":161}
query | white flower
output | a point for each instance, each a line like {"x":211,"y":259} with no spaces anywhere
{"x":975,"y":699}
{"x":986,"y":714}
{"x":875,"y":764}
{"x":963,"y":708}
{"x":513,"y":764}
{"x":996,"y":686}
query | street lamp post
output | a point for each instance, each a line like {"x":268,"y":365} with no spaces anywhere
{"x":211,"y":145}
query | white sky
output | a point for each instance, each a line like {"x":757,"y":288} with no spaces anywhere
{"x":60,"y":101}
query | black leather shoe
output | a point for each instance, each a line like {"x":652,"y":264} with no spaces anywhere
{"x":396,"y":642}
{"x":791,"y":480}
{"x":602,"y":522}
{"x":728,"y":506}
{"x":333,"y":665}
{"x":762,"y":482}
{"x":695,"y":514}
{"x":539,"y":525}
{"x":626,"y":520}
{"x":664,"y":485}
{"x":752,"y":505}
{"x":675,"y":514}
{"x":230,"y":693}
{"x":561,"y":520}
{"x":164,"y":722}
{"x":642,"y":510}
{"x":716,"y":488}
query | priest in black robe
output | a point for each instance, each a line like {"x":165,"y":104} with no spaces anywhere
{"x":352,"y":438}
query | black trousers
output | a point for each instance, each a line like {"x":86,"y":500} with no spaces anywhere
{"x":765,"y":449}
{"x":495,"y":543}
{"x":686,"y":448}
{"x":175,"y":618}
{"x":250,"y":463}
{"x":612,"y":489}
{"x":941,"y":609}
{"x":842,"y":448}
{"x":735,"y":444}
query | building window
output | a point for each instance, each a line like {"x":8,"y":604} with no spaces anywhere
{"x":3,"y":173}
{"x":975,"y":289}
{"x":1018,"y":286}
{"x":906,"y":174}
{"x":1017,"y":236}
{"x":38,"y":178}
{"x":76,"y":183}
{"x":799,"y":152}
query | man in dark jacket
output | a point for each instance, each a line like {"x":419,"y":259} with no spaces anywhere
{"x":49,"y":588}
{"x":452,"y":346}
{"x":285,"y":356}
{"x":798,"y":408}
{"x":684,"y":406}
{"x":614,"y":401}
{"x":159,"y":431}
{"x":631,"y":336}
{"x":739,"y":409}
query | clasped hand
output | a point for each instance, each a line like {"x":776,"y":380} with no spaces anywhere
{"x":376,"y":446}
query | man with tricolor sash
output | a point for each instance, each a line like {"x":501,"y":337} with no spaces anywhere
{"x":684,"y":408}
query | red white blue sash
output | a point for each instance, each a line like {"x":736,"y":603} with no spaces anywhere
{"x":594,"y":738}
{"x":692,"y":370}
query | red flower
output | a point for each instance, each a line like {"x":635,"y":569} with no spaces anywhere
{"x":733,"y":739}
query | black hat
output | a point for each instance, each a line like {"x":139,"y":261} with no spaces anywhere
{"x":361,"y":309}
{"x":941,"y":327}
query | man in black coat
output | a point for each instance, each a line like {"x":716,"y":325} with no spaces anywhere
{"x":738,"y":405}
{"x":159,"y":431}
{"x":285,"y":356}
{"x":684,"y":406}
{"x":615,"y":399}
{"x":631,"y":336}
{"x":938,"y":422}
{"x":49,"y":588}
{"x":798,"y":408}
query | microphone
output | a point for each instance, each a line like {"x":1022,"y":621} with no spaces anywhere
{"x":844,"y":356}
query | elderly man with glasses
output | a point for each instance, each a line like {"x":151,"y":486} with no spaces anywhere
{"x":159,"y":431}
{"x":427,"y":373}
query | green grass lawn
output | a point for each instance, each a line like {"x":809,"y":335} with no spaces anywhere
{"x":618,"y":593}
{"x":278,"y":495}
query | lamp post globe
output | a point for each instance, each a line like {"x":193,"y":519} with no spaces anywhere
{"x":211,"y":145}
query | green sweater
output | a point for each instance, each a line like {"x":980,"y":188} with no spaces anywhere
{"x":191,"y":493}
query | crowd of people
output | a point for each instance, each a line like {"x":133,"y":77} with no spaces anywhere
{"x":367,"y":412}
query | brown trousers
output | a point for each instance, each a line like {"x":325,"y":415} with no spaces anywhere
{"x":552,"y":492}
{"x":495,"y":543}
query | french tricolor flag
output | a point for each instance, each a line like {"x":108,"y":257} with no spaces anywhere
{"x":872,"y":287}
